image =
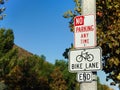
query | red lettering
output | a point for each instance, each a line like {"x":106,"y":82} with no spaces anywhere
{"x":84,"y":29}
{"x":84,"y":41}
{"x":78,"y":20}
{"x":85,"y":35}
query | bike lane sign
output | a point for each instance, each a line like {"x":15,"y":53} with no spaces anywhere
{"x":85,"y":59}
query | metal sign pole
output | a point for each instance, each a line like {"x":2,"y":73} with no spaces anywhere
{"x":89,"y":7}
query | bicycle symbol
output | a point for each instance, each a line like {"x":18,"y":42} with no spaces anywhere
{"x":84,"y":55}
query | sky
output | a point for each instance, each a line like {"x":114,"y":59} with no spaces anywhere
{"x":39,"y":27}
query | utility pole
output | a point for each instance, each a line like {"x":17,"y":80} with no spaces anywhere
{"x":86,"y":58}
{"x":89,"y":7}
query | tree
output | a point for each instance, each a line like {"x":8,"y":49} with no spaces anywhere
{"x":2,"y":9}
{"x":6,"y":51}
{"x":70,"y":78}
{"x":108,"y":34}
{"x":27,"y":74}
{"x":58,"y":83}
{"x":108,"y":12}
{"x":7,"y":54}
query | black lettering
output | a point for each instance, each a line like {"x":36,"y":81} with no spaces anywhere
{"x":92,"y":65}
{"x":77,"y":66}
{"x":80,"y":76}
{"x":88,"y":76}
{"x":84,"y":76}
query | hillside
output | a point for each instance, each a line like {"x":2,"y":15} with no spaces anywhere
{"x":22,"y":52}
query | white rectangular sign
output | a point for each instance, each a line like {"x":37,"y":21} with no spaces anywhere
{"x":84,"y":31}
{"x":85,"y":76}
{"x":85,"y":59}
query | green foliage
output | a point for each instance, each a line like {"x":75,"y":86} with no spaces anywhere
{"x":2,"y":9}
{"x":65,"y":54}
{"x":70,"y":78}
{"x":71,"y":14}
{"x":108,"y":32}
{"x":2,"y":86}
{"x":6,"y":40}
{"x":57,"y":82}
{"x":1,"y":1}
{"x":6,"y":52}
{"x":29,"y":74}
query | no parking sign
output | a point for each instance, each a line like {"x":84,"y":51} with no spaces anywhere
{"x":84,"y":31}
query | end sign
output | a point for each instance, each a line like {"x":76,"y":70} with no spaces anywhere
{"x":85,"y":76}
{"x":84,"y":31}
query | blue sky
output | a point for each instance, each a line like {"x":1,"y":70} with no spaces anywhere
{"x":39,"y":27}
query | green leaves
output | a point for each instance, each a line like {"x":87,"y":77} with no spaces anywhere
{"x":58,"y":83}
{"x":1,"y":1}
{"x":6,"y":40}
{"x":71,"y":14}
{"x":108,"y":33}
{"x":68,"y":14}
{"x":2,"y":9}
